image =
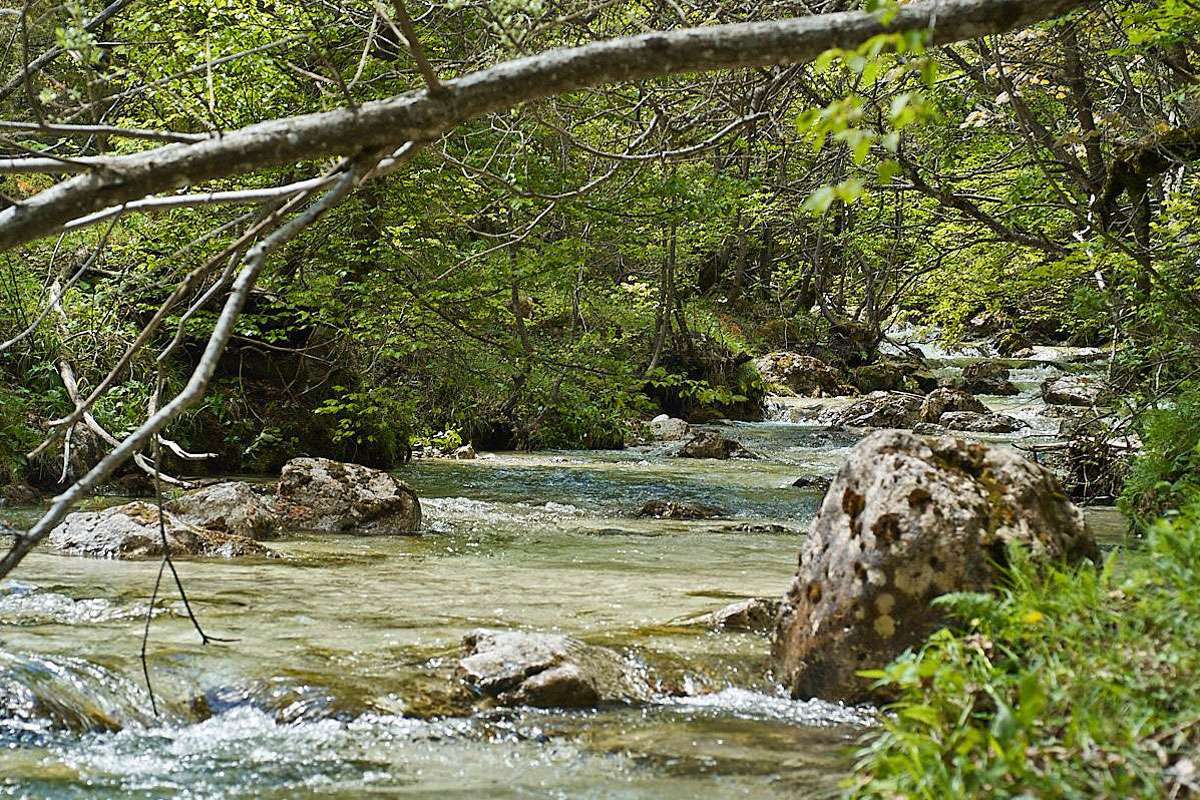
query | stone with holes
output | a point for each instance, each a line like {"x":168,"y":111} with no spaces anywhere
{"x":907,"y":519}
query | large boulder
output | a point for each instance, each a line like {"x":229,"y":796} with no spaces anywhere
{"x":709,"y":444}
{"x":232,"y":507}
{"x":907,"y":519}
{"x":800,"y":374}
{"x":132,"y":531}
{"x":944,"y":399}
{"x":980,"y":423}
{"x":1073,"y":390}
{"x":877,"y":410}
{"x":1010,"y":343}
{"x":318,"y":494}
{"x":987,"y":377}
{"x":548,"y":671}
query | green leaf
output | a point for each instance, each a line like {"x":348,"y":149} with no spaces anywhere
{"x":887,"y":170}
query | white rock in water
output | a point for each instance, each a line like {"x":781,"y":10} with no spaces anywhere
{"x":668,"y":428}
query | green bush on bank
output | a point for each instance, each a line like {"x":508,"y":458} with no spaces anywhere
{"x":1168,"y":469}
{"x":1076,"y":683}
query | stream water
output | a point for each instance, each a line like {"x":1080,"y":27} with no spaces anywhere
{"x":345,"y":649}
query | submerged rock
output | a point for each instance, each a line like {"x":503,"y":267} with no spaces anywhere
{"x":665,"y":428}
{"x":820,"y":482}
{"x":944,"y":399}
{"x":908,"y":519}
{"x":1073,"y":390}
{"x":800,"y":374}
{"x":756,"y":614}
{"x":709,"y":444}
{"x":132,"y":531}
{"x":548,"y":671}
{"x":981,"y":423}
{"x":319,"y":494}
{"x":668,"y":509}
{"x":757,"y":527}
{"x":878,"y":410}
{"x":232,"y":507}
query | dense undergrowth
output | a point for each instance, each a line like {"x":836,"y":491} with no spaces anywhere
{"x":1079,"y":683}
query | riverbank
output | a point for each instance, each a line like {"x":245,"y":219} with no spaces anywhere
{"x":1077,"y":683}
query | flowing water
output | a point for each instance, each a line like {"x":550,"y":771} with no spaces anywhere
{"x":336,"y":681}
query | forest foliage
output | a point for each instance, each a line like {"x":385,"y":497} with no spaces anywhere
{"x":542,"y":276}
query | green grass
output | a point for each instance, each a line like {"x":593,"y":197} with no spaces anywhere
{"x":1082,"y":683}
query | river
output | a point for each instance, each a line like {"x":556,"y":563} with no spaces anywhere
{"x":343,"y":650}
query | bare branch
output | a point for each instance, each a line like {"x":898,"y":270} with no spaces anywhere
{"x":196,"y":385}
{"x":424,"y":116}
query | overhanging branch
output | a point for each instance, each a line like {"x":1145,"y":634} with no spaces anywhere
{"x":423,"y":116}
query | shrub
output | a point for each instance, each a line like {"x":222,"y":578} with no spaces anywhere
{"x":1077,"y":683}
{"x":1168,"y":469}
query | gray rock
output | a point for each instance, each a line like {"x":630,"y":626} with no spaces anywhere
{"x":132,"y":531}
{"x":756,"y":614}
{"x":987,"y":377}
{"x":548,"y":671}
{"x":982,"y":423}
{"x":877,"y":410}
{"x":322,"y":495}
{"x":929,"y":429}
{"x":232,"y":507}
{"x":944,"y":399}
{"x":668,"y":429}
{"x":668,"y":509}
{"x":800,"y":374}
{"x":709,"y":444}
{"x":464,"y":453}
{"x":1073,"y":390}
{"x":908,"y":519}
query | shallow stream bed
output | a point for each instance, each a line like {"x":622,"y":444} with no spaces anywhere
{"x":343,"y":652}
{"x":340,"y":643}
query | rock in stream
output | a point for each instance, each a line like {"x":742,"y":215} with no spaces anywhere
{"x":319,"y":494}
{"x":132,"y":531}
{"x":908,"y":519}
{"x":545,"y":670}
{"x":230,"y":507}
